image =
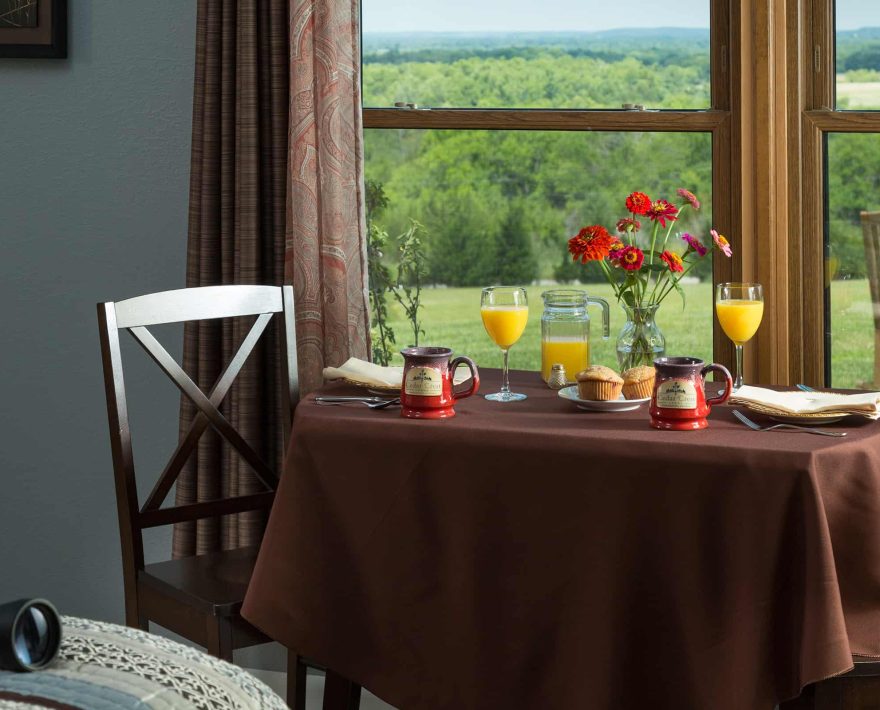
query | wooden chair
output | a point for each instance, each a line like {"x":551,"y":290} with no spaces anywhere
{"x":199,"y":597}
{"x":871,"y":238}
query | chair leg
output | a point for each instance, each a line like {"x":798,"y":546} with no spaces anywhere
{"x":296,"y":681}
{"x":133,"y":617}
{"x":219,"y":637}
{"x":340,"y":693}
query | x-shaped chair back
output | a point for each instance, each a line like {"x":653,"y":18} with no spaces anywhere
{"x":192,"y":304}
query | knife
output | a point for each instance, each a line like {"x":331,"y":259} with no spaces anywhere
{"x":372,"y":400}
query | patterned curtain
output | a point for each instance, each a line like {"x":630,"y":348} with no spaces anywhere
{"x":275,"y":197}
{"x":326,"y":244}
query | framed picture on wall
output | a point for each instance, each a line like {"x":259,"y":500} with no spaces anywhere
{"x":33,"y":28}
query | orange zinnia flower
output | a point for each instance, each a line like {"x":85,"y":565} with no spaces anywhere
{"x":590,"y":244}
{"x":638,"y":203}
{"x":673,"y":261}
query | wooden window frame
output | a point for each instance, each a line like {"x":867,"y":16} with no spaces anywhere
{"x":723,"y":121}
{"x":813,"y":115}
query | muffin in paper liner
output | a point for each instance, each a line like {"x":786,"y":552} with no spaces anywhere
{"x":638,"y":382}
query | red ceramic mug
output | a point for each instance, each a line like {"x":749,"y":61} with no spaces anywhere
{"x":427,"y":391}
{"x":679,"y":400}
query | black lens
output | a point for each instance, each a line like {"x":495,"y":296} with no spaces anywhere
{"x":30,"y":634}
{"x":33,"y":637}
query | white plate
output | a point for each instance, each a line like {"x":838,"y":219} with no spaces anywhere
{"x":809,"y":421}
{"x":595,"y":405}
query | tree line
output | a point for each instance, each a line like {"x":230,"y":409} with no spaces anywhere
{"x":498,"y":206}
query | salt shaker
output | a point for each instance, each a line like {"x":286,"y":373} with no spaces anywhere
{"x":557,"y":379}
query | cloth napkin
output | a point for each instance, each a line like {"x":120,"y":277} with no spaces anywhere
{"x":366,"y":373}
{"x":866,"y":404}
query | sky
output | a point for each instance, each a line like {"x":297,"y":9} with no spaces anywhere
{"x":560,"y":15}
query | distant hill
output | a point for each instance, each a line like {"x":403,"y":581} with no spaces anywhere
{"x":865,"y":33}
{"x":611,"y":40}
{"x":419,"y":41}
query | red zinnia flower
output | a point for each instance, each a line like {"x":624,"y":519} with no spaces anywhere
{"x":590,"y":244}
{"x":694,"y":244}
{"x":638,"y":203}
{"x":660,"y":211}
{"x":690,"y":197}
{"x":631,"y":258}
{"x":673,"y":261}
{"x":628,"y":225}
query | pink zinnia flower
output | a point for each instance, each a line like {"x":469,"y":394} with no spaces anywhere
{"x":721,"y":243}
{"x":694,"y":244}
{"x":660,"y":211}
{"x":617,"y":248}
{"x":690,"y":197}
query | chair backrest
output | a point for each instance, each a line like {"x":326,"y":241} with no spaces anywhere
{"x":191,"y":304}
{"x":871,"y":238}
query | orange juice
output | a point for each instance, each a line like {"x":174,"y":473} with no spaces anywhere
{"x":572,"y":353}
{"x":739,"y":318}
{"x":505,"y":324}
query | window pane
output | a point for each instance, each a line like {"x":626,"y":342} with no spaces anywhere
{"x":853,"y":256}
{"x":499,"y":206}
{"x":518,"y":54}
{"x":858,"y":54}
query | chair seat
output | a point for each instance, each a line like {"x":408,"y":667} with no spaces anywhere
{"x":214,"y":583}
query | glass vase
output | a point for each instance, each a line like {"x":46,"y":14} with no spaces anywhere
{"x":641,"y":340}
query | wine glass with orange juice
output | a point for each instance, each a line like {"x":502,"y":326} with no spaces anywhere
{"x":505,"y":312}
{"x":740,"y":308}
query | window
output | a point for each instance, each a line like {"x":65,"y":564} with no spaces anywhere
{"x":509,"y":146}
{"x":843,"y":130}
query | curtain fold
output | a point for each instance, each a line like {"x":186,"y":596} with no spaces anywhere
{"x":236,"y":236}
{"x":276,"y":196}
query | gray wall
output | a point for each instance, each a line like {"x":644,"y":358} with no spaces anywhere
{"x":94,"y":166}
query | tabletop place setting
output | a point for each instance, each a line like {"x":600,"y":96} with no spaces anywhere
{"x":671,"y":390}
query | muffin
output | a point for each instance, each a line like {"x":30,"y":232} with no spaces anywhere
{"x":638,"y":382}
{"x":599,"y":383}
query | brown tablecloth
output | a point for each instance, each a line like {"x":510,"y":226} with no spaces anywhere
{"x":531,"y":555}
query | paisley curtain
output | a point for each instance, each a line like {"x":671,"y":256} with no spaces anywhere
{"x":325,"y":255}
{"x":275,"y":197}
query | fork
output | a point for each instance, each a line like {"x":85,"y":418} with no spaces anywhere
{"x":757,"y":427}
{"x":372,"y":403}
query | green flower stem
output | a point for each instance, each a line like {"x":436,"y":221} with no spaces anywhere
{"x":605,"y":268}
{"x":664,"y":293}
{"x":654,"y":231}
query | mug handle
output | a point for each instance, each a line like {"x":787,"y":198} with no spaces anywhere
{"x":475,"y":377}
{"x":728,"y":388}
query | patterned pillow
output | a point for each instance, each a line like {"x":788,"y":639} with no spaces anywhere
{"x":107,"y":667}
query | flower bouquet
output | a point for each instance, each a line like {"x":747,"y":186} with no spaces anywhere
{"x":644,"y":270}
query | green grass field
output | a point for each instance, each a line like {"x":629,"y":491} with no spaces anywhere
{"x":858,"y":95}
{"x":452,"y":318}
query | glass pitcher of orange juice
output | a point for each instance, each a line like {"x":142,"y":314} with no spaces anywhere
{"x":565,"y":330}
